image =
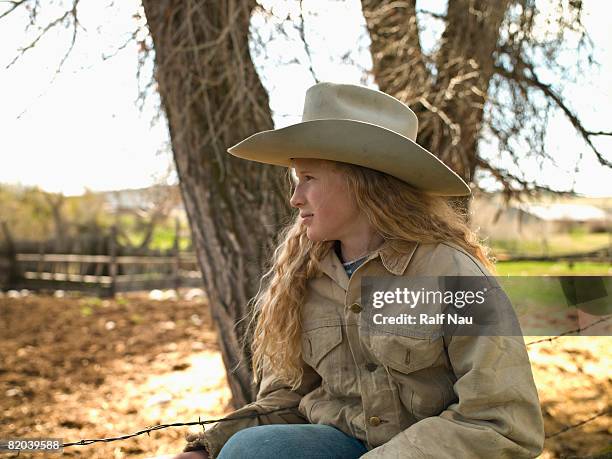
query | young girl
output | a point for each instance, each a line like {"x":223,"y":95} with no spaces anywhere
{"x":371,"y":202}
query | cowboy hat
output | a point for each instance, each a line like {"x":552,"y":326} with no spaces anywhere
{"x":357,"y":125}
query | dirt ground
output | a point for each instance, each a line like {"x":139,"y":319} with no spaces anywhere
{"x":82,"y":368}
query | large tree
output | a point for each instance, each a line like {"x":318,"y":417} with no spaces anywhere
{"x":212,"y":98}
{"x":481,"y":77}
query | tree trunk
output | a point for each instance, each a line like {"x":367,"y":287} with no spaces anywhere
{"x":56,"y":203}
{"x":213,"y":98}
{"x":449,"y":103}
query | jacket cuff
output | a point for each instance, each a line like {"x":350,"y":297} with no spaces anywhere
{"x":198,"y":442}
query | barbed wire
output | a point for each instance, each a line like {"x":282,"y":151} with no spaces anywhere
{"x":581,"y":423}
{"x":165,"y":426}
{"x":605,"y":412}
{"x":210,"y":421}
{"x":254,"y":415}
{"x":577,"y":330}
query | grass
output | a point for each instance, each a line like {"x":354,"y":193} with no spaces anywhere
{"x":551,"y":304}
{"x":163,"y":239}
{"x":558,"y":244}
{"x":552,"y":268}
{"x":163,"y":234}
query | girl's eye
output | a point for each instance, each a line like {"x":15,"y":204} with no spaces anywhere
{"x":308,"y":177}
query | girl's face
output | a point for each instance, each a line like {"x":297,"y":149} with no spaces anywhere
{"x":322,"y":196}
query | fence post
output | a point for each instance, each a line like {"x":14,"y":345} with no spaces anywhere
{"x":40,"y":262}
{"x":14,"y":275}
{"x":609,"y":228}
{"x":176,"y":266}
{"x":112,"y":264}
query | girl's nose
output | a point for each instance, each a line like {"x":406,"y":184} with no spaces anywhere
{"x":296,"y":199}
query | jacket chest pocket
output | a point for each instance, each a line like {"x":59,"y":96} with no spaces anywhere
{"x":413,"y":365}
{"x":319,"y":342}
{"x":322,"y":350}
{"x":405,"y":354}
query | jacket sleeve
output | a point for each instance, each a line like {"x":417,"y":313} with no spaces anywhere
{"x":273,"y":394}
{"x":497,"y":413}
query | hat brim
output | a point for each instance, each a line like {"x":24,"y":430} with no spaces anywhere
{"x":354,"y":142}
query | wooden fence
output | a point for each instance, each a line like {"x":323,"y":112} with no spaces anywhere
{"x":116,"y":269}
{"x":104,"y":275}
{"x":602,"y":255}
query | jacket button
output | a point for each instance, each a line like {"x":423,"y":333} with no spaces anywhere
{"x":374,"y":421}
{"x":356,"y":308}
{"x":371,"y":366}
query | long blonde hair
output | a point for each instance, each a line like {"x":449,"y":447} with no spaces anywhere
{"x":399,"y":213}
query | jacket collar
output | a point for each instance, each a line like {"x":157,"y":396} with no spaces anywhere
{"x":395,"y":262}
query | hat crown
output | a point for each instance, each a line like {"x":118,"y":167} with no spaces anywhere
{"x":358,"y":103}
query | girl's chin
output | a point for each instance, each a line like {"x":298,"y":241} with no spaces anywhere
{"x":313,"y":236}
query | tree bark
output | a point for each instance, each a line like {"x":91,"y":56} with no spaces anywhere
{"x":213,"y":98}
{"x":450,"y":101}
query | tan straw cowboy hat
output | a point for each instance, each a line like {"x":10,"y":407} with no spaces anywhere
{"x":358,"y":125}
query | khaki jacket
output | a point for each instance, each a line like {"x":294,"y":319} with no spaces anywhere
{"x":405,"y":397}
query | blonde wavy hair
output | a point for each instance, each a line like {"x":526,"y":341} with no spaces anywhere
{"x":399,"y":213}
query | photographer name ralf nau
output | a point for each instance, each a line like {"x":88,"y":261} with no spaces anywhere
{"x":423,"y":319}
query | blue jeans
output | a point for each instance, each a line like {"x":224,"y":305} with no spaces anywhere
{"x":292,"y":441}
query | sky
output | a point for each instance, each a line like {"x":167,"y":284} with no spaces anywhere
{"x":81,"y":129}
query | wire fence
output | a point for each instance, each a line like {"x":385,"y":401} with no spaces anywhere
{"x":577,"y":330}
{"x":174,"y":424}
{"x":148,"y":430}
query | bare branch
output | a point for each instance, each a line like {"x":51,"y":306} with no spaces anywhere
{"x":300,"y":28}
{"x":508,"y":180}
{"x":454,"y":128}
{"x":596,"y":133}
{"x":75,"y":27}
{"x":532,"y":80}
{"x":432,"y":14}
{"x":57,"y":21}
{"x":121,"y":47}
{"x":15,"y":5}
